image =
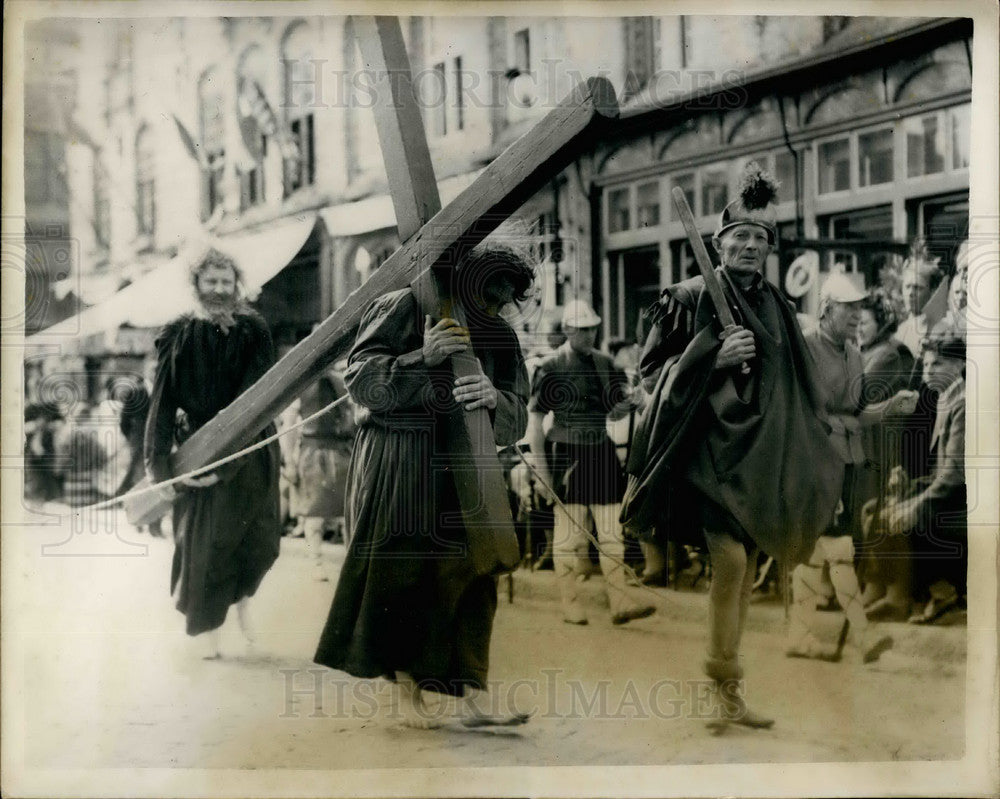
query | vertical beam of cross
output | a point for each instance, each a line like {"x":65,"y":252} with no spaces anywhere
{"x":400,"y":126}
{"x":587,"y":114}
{"x":472,"y":453}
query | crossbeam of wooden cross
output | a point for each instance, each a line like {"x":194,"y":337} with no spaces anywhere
{"x":529,"y":164}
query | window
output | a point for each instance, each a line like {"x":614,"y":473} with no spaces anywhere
{"x":686,"y":183}
{"x":145,"y":184}
{"x":213,"y":139}
{"x":634,"y":283}
{"x":683,"y":263}
{"x":257,"y":122}
{"x":924,"y":145}
{"x":647,"y":210}
{"x":102,"y":205}
{"x":301,"y":172}
{"x":714,"y":190}
{"x":252,"y":180}
{"x":875,"y":157}
{"x":784,"y":173}
{"x":522,"y":51}
{"x":834,"y":166}
{"x":459,"y":105}
{"x":619,"y":218}
{"x":213,"y":181}
{"x":960,"y":136}
{"x":301,"y":97}
{"x":438,"y":106}
{"x":866,"y":225}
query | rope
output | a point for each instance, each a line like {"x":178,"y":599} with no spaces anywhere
{"x":138,"y":492}
{"x":629,"y":571}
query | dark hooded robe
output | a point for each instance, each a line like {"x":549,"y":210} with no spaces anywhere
{"x":227,"y":535}
{"x":409,"y":597}
{"x":748,"y":455}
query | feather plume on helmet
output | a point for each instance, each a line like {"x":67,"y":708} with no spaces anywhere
{"x":754,"y":204}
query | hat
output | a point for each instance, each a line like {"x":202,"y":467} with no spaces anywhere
{"x":578,"y":314}
{"x":757,"y":191}
{"x":839,"y":288}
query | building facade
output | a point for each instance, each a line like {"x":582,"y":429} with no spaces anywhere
{"x":868,"y":135}
{"x":260,"y":131}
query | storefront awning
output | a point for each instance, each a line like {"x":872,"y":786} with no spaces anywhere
{"x":377,"y":213}
{"x":165,"y":292}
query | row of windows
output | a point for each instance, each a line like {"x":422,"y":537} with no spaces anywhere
{"x":935,"y":143}
{"x":932,"y":143}
{"x":707,"y":190}
{"x":446,"y":114}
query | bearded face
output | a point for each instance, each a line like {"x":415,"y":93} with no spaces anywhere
{"x":216,"y":289}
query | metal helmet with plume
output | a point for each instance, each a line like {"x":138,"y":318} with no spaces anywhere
{"x":754,"y":205}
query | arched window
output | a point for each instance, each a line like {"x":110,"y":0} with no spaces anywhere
{"x":145,"y":183}
{"x":213,"y":139}
{"x":253,"y":114}
{"x":302,"y":79}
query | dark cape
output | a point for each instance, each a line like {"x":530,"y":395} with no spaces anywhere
{"x":751,"y":449}
{"x":409,"y":598}
{"x":227,"y":535}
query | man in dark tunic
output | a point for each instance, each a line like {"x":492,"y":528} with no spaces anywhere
{"x":742,"y":456}
{"x":409,"y":604}
{"x":577,"y":464}
{"x":226,"y":523}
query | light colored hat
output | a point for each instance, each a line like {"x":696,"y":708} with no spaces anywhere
{"x":840,"y":288}
{"x":578,"y":314}
{"x":754,"y":203}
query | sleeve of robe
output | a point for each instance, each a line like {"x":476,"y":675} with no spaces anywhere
{"x":510,"y":417}
{"x":159,"y":437}
{"x":385,"y":370}
{"x":671,"y":331}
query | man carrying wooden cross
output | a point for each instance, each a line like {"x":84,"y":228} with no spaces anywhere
{"x":733,"y":441}
{"x":410,"y":605}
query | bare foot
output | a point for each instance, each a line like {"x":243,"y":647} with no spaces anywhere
{"x":513,"y":720}
{"x":409,"y":705}
{"x":474,"y":716}
{"x":246,"y":625}
{"x":210,"y":645}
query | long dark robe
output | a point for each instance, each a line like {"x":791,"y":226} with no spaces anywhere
{"x":408,"y":598}
{"x":748,"y":454}
{"x":227,"y":535}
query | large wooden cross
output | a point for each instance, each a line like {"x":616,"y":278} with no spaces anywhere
{"x":434,"y":240}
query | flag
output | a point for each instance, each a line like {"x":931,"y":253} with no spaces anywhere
{"x":190,"y":145}
{"x":937,"y":306}
{"x":256,"y":114}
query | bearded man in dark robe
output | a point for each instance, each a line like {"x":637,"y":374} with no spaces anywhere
{"x":738,"y":452}
{"x":226,"y":523}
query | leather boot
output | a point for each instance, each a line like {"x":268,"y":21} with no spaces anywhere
{"x":727,"y":675}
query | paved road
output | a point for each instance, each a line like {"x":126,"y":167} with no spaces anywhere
{"x":110,"y":681}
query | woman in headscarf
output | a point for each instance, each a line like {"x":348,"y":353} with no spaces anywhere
{"x":888,"y":366}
